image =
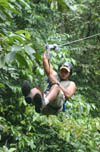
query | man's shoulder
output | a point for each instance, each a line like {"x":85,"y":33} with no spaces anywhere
{"x":72,"y":83}
{"x":67,"y":83}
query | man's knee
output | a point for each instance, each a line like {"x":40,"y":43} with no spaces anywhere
{"x":35,"y":91}
{"x":55,"y":87}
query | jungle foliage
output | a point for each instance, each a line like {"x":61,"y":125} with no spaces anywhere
{"x":25,"y":27}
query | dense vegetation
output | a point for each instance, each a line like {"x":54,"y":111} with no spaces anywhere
{"x":25,"y":27}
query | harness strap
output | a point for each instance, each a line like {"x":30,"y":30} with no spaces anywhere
{"x":55,"y":108}
{"x":64,"y":106}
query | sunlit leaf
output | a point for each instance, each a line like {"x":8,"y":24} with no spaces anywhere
{"x":29,"y":50}
{"x":27,"y":34}
{"x":2,"y":85}
{"x":15,"y":48}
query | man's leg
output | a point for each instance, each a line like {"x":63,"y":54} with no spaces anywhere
{"x":55,"y":99}
{"x":32,"y":96}
{"x":35,"y":91}
{"x":53,"y":93}
{"x":49,"y":98}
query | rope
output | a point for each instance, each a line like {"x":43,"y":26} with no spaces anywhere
{"x":85,"y":38}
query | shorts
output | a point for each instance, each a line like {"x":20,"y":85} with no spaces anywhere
{"x":56,"y":106}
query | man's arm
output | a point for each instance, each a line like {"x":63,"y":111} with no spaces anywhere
{"x":68,"y":91}
{"x":47,"y":67}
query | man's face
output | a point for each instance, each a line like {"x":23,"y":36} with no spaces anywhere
{"x":64,"y":74}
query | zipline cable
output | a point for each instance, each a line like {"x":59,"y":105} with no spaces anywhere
{"x":85,"y":38}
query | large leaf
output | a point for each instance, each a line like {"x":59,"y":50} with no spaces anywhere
{"x":27,"y":34}
{"x":16,"y":48}
{"x":21,"y":59}
{"x":2,"y":61}
{"x":29,"y":50}
{"x":4,"y":3}
{"x":10,"y":57}
{"x":13,"y":37}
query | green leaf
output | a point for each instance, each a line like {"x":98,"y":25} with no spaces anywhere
{"x":54,"y":5}
{"x":68,"y":136}
{"x":12,"y":150}
{"x":4,"y":3}
{"x":29,"y":50}
{"x":72,"y":7}
{"x":24,"y":3}
{"x":2,"y":85}
{"x":13,"y":37}
{"x":2,"y":16}
{"x":11,"y":8}
{"x":21,"y":60}
{"x":10,"y":57}
{"x":2,"y":61}
{"x":15,"y":48}
{"x":27,"y":34}
{"x":40,"y":71}
{"x":63,"y":4}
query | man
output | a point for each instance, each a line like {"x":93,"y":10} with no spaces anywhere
{"x":58,"y":90}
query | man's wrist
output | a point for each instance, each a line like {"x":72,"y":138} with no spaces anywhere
{"x":44,"y":58}
{"x":58,"y":83}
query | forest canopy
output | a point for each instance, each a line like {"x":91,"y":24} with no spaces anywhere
{"x":26,"y":26}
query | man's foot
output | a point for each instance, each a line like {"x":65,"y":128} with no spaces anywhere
{"x":38,"y":102}
{"x":26,"y":88}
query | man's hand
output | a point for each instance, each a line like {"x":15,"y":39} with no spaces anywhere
{"x":47,"y":55}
